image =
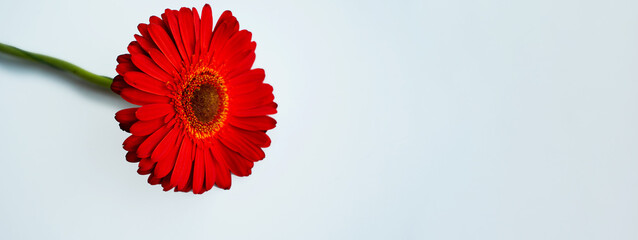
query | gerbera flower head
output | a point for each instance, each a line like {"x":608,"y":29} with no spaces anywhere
{"x":203,"y":110}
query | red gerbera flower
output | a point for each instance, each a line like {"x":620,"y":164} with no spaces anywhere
{"x":203,"y":111}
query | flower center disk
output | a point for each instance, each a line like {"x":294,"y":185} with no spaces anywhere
{"x":203,"y":104}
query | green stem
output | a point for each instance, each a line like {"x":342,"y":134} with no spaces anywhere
{"x":102,"y":81}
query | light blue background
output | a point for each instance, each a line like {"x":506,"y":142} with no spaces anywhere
{"x":398,"y":120}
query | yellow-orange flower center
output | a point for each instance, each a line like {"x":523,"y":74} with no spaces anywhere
{"x":203,"y":103}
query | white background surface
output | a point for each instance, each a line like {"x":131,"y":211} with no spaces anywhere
{"x":398,"y":120}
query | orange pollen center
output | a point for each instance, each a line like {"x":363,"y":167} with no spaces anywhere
{"x":203,"y":103}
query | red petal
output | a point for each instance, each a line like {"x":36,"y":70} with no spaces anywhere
{"x":196,"y":25}
{"x":144,"y":128}
{"x":187,"y":30}
{"x":126,"y":126}
{"x":170,"y":17}
{"x":261,"y":123}
{"x":124,"y":58}
{"x":132,"y":143}
{"x":267,"y":109}
{"x":240,"y":64}
{"x":169,"y":117}
{"x":135,"y":48}
{"x":235,"y":142}
{"x":199,"y":170}
{"x":118,"y":84}
{"x":261,"y":96}
{"x":166,"y":182}
{"x":146,"y":148}
{"x":239,"y":45}
{"x":259,"y":138}
{"x":163,"y":62}
{"x":222,"y":174}
{"x":125,"y":118}
{"x":158,"y":21}
{"x":226,"y":18}
{"x":143,"y":28}
{"x":206,"y":28}
{"x":238,"y":42}
{"x":246,"y":88}
{"x":226,"y":26}
{"x":126,"y":115}
{"x":189,"y":183}
{"x":138,"y":97}
{"x":149,"y":67}
{"x":131,"y":157}
{"x":166,"y":144}
{"x":166,"y":152}
{"x":253,"y":76}
{"x":237,"y":164}
{"x":124,"y":67}
{"x":183,"y":164}
{"x":145,"y":42}
{"x":152,"y":111}
{"x":153,"y":180}
{"x":210,"y":170}
{"x":146,"y":83}
{"x":165,"y":43}
{"x":215,"y":40}
{"x":145,"y":166}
